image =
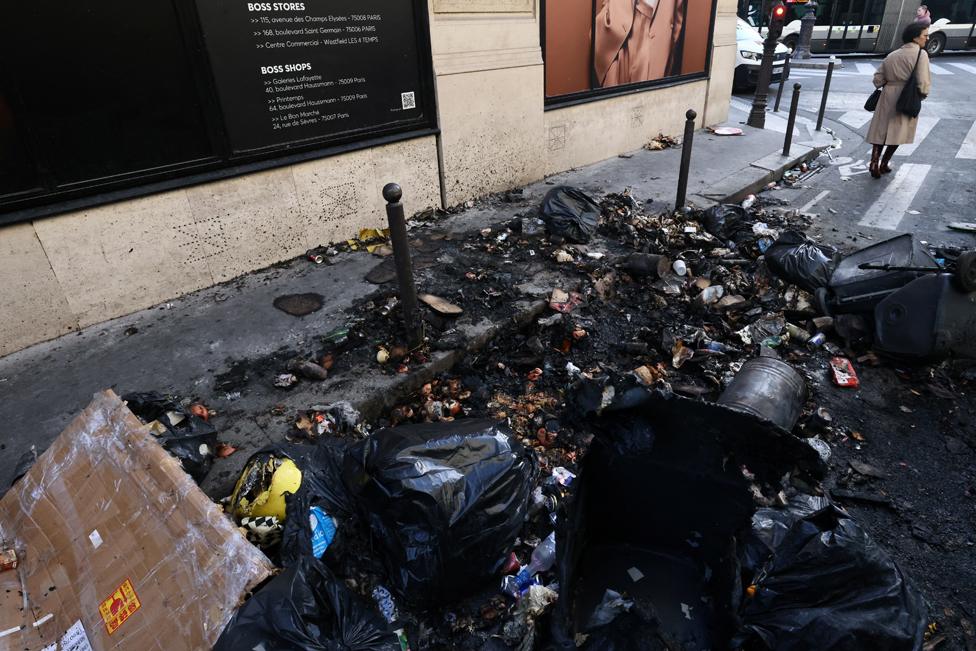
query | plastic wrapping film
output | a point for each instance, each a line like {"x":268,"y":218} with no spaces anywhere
{"x":117,"y":547}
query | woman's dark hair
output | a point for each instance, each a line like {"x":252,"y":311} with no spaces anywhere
{"x":912,"y":31}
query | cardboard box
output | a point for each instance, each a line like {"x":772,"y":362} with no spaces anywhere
{"x":117,"y":547}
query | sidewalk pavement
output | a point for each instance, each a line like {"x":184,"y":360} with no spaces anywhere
{"x":224,"y":344}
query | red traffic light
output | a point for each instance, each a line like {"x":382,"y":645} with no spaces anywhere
{"x":779,"y":11}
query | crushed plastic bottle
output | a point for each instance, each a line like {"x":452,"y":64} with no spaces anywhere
{"x":543,"y":558}
{"x":384,"y":601}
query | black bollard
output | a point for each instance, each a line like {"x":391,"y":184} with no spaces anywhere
{"x":823,"y":98}
{"x":404,"y":269}
{"x":782,"y":81}
{"x":679,"y":201}
{"x":792,"y":120}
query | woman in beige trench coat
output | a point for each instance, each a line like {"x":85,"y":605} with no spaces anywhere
{"x":889,"y":126}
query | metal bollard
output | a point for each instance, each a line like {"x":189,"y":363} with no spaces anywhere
{"x":823,"y":99}
{"x":792,"y":120}
{"x":679,"y":201}
{"x":404,"y":269}
{"x":782,"y":81}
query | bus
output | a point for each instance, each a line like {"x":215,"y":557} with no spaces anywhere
{"x":870,"y":26}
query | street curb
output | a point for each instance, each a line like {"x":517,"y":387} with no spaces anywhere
{"x":760,"y":176}
{"x":385,"y":398}
{"x":774,"y":174}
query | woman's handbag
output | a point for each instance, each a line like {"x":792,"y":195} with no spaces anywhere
{"x":910,"y":100}
{"x":872,"y":102}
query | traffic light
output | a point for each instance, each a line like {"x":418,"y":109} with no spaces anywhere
{"x":776,"y":19}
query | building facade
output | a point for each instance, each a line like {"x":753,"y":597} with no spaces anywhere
{"x":144,"y":159}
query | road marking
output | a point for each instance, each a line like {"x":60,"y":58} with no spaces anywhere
{"x":939,"y":70}
{"x":810,"y":204}
{"x":925,"y":124}
{"x":739,"y":104}
{"x":865,"y":68}
{"x":968,"y":149}
{"x":963,"y":66}
{"x":856,"y":119}
{"x":889,"y":209}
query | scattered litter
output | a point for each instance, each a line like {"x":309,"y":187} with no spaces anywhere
{"x":842,"y":372}
{"x":726,"y":131}
{"x":440,"y":305}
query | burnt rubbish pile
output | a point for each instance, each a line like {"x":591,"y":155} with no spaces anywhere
{"x":639,"y":467}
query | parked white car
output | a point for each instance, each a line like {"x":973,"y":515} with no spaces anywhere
{"x":748,"y":56}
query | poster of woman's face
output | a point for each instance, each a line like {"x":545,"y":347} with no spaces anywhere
{"x":591,"y":44}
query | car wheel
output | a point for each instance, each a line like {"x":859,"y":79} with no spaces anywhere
{"x":790,"y":42}
{"x":936,"y":44}
{"x":966,"y":271}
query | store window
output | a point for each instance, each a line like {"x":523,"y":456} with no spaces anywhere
{"x":103,"y":96}
{"x":599,"y":47}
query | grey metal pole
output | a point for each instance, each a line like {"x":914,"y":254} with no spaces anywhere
{"x":679,"y":201}
{"x":807,"y":21}
{"x":782,"y":81}
{"x":823,"y":98}
{"x":792,"y":120}
{"x":404,"y":269}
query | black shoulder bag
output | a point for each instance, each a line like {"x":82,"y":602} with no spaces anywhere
{"x":872,"y":101}
{"x":910,"y":100}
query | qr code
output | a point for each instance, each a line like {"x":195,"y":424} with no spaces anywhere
{"x":408,"y":100}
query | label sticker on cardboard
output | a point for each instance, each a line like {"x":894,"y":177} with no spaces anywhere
{"x":119,"y":607}
{"x":74,"y":639}
{"x":95,"y":538}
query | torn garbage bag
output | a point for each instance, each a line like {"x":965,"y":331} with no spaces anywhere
{"x":570,"y":213}
{"x":801,"y":261}
{"x":292,"y":493}
{"x":444,"y":500}
{"x":816,"y":580}
{"x":728,"y":222}
{"x":186,"y":436}
{"x":306,"y":607}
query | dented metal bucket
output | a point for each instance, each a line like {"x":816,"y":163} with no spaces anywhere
{"x":769,"y":390}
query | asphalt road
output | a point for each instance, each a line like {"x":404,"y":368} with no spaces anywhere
{"x":934,"y":180}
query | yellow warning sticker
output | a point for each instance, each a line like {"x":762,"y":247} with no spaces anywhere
{"x":119,"y":607}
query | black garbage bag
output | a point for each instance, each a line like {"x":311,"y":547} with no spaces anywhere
{"x":321,"y":486}
{"x":187,"y":437}
{"x":800,"y":261}
{"x":727,"y":222}
{"x":821,"y":583}
{"x":444,"y":500}
{"x":306,"y":607}
{"x":570,"y":213}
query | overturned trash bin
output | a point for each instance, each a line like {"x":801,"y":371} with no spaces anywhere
{"x":662,"y":494}
{"x":853,"y":289}
{"x":444,"y":501}
{"x":769,"y":389}
{"x":930,"y":317}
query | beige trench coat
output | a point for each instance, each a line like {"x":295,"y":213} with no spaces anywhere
{"x":889,"y":126}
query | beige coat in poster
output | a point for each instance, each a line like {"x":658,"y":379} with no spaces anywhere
{"x":889,"y":126}
{"x":637,"y":40}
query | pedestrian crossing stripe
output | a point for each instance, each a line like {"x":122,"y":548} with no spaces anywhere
{"x":968,"y":148}
{"x":890,"y":208}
